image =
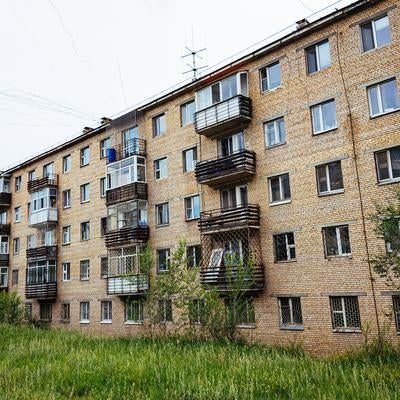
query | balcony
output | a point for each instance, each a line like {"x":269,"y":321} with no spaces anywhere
{"x":239,"y":167}
{"x":49,"y":215}
{"x":42,"y":253}
{"x":5,"y":199}
{"x":223,"y":117}
{"x":128,"y":285}
{"x":133,"y":191}
{"x":127,"y":235}
{"x":41,"y":283}
{"x":4,"y":260}
{"x":133,"y":147}
{"x":247,"y":216}
{"x":50,"y":180}
{"x":4,"y":229}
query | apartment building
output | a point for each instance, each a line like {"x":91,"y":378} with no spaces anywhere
{"x":278,"y":157}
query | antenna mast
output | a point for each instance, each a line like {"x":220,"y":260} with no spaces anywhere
{"x":193,"y":67}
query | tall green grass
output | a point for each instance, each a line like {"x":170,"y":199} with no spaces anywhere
{"x":46,"y":365}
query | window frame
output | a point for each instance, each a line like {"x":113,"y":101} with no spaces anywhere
{"x":83,"y":162}
{"x":66,"y":271}
{"x":266,"y":68}
{"x":287,"y":247}
{"x":195,"y":161}
{"x":321,"y":117}
{"x":103,"y":187}
{"x":14,"y":277}
{"x":381,"y":112}
{"x":329,"y":190}
{"x":128,"y":313}
{"x":183,"y":107}
{"x":191,"y":208}
{"x":106,"y":312}
{"x":316,"y":46}
{"x":167,"y":260}
{"x":66,"y":162}
{"x":65,"y":313}
{"x":49,"y":310}
{"x":84,"y":264}
{"x":158,"y":169}
{"x":338,"y":241}
{"x":84,"y":311}
{"x":193,"y":255}
{"x":277,"y":132}
{"x":281,"y":191}
{"x":156,"y":125}
{"x":372,"y":22}
{"x":17,"y":214}
{"x":165,"y":311}
{"x":16,"y":245}
{"x":103,"y":149}
{"x":86,"y":224}
{"x":85,"y":193}
{"x":166,"y":206}
{"x":396,"y":311}
{"x":292,"y":325}
{"x":66,"y":228}
{"x":67,"y":194}
{"x":346,"y":326}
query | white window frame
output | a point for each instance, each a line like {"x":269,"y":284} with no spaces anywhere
{"x":132,"y":165}
{"x":4,"y":244}
{"x":267,"y":78}
{"x":165,"y":207}
{"x":105,"y":144}
{"x":191,"y":208}
{"x":67,"y":163}
{"x":168,"y":260}
{"x":275,"y":122}
{"x":379,"y":99}
{"x":103,"y":187}
{"x":321,"y":117}
{"x":338,"y":240}
{"x":373,"y":22}
{"x":282,"y":200}
{"x":158,"y":169}
{"x":18,"y":183}
{"x":17,"y":214}
{"x":317,"y":56}
{"x":85,"y":156}
{"x":288,"y":247}
{"x":66,"y":232}
{"x":67,"y":196}
{"x":156,"y":125}
{"x":328,"y":179}
{"x":129,"y":313}
{"x":81,"y":233}
{"x":106,"y":312}
{"x":85,"y":193}
{"x":186,"y":167}
{"x":84,"y":312}
{"x":343,"y":313}
{"x":184,"y":112}
{"x":66,"y":271}
{"x":86,"y":264}
{"x":292,"y":324}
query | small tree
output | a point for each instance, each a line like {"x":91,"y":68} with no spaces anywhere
{"x":386,"y":221}
{"x":11,"y":308}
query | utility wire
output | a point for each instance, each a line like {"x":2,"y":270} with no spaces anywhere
{"x":306,"y":6}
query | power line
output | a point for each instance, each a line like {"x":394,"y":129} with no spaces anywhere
{"x":306,"y":6}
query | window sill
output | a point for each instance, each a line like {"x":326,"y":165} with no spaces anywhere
{"x":292,"y":328}
{"x":83,"y":166}
{"x":86,"y":201}
{"x":263,"y":92}
{"x":66,"y":281}
{"x":65,"y":321}
{"x":161,"y":179}
{"x":84,"y":322}
{"x":389,"y":182}
{"x":85,"y":240}
{"x":66,"y":207}
{"x":331,"y":193}
{"x":273,"y":146}
{"x":162,"y":226}
{"x":375,"y":48}
{"x":326,"y":131}
{"x":133,"y":323}
{"x":106,"y":322}
{"x":246,"y":326}
{"x":278,"y":203}
{"x":192,"y":219}
{"x":66,"y":244}
{"x":285,"y":261}
{"x":162,"y":272}
{"x":347,"y":330}
{"x":348,"y":256}
{"x":84,"y":280}
{"x":320,"y":70}
{"x":384,"y":113}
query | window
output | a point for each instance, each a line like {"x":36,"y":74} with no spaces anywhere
{"x":193,"y":256}
{"x":165,"y":310}
{"x":345,"y":312}
{"x":196,"y":312}
{"x":41,"y":272}
{"x":189,"y":159}
{"x":383,"y":97}
{"x":67,"y":163}
{"x":105,"y":144}
{"x":388,"y":164}
{"x":158,"y":125}
{"x":103,"y":187}
{"x":187,"y":113}
{"x":66,"y":272}
{"x":106,"y":312}
{"x":66,"y":230}
{"x":65,"y":312}
{"x":134,"y":311}
{"x":163,"y":260}
{"x":329,"y":178}
{"x":4,"y":245}
{"x":162,"y":214}
{"x":127,"y":171}
{"x":84,"y":312}
{"x":18,"y":183}
{"x":85,"y":193}
{"x":274,"y":132}
{"x":3,"y":277}
{"x":31,"y":241}
{"x":318,"y":57}
{"x":14,"y":277}
{"x":85,"y":156}
{"x":103,"y":226}
{"x":376,"y":33}
{"x":3,"y":217}
{"x":43,"y":199}
{"x":45,"y":312}
{"x":130,"y":142}
{"x":337,"y":241}
{"x":129,"y":214}
{"x":324,"y":117}
{"x":285,"y":249}
{"x":103,"y":267}
{"x":16,"y":245}
{"x":85,"y":230}
{"x":396,"y":309}
{"x":161,"y":168}
{"x":17,"y":214}
{"x":241,"y":311}
{"x":85,"y":270}
{"x":28,"y":312}
{"x":270,"y":77}
{"x":279,"y":189}
{"x":48,"y":170}
{"x":231,"y":144}
{"x":192,"y":207}
{"x":31,"y":175}
{"x":233,"y":197}
{"x":290,"y":312}
{"x":67,"y":198}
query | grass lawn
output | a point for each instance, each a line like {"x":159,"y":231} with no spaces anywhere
{"x":45,"y":365}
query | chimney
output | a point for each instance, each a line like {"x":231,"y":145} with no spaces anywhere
{"x":301,"y":24}
{"x":87,"y":129}
{"x":105,"y":120}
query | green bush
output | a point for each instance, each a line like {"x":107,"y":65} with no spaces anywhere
{"x":11,"y":308}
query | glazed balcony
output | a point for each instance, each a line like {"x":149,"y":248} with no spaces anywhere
{"x":50,"y":180}
{"x":42,"y":253}
{"x":4,"y":229}
{"x":223,"y":117}
{"x":46,"y":216}
{"x":128,"y":285}
{"x":133,"y":147}
{"x":5,"y":199}
{"x":132,"y":191}
{"x":127,"y":235}
{"x":239,"y":167}
{"x":222,"y":219}
{"x":41,"y":283}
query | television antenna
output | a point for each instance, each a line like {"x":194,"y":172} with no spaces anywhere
{"x":193,"y":66}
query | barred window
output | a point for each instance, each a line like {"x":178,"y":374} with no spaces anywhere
{"x":241,"y":311}
{"x":84,"y":312}
{"x":65,"y":312}
{"x":106,"y":311}
{"x":290,"y":312}
{"x":103,"y":267}
{"x":285,"y":249}
{"x":345,"y":312}
{"x":85,"y":270}
{"x":134,"y":311}
{"x":165,"y":311}
{"x":337,"y":241}
{"x":124,"y":261}
{"x":396,"y":308}
{"x":45,"y":312}
{"x":28,"y":311}
{"x":196,"y":312}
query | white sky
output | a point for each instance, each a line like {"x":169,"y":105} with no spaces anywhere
{"x":101,"y":56}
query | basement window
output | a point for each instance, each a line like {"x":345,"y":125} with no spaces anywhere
{"x":290,"y":313}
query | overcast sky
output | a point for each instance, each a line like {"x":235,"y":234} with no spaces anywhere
{"x":67,"y":63}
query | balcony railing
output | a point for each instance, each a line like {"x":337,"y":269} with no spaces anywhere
{"x":5,"y":199}
{"x":4,"y":229}
{"x":133,"y":191}
{"x":48,"y":215}
{"x":41,"y":183}
{"x":42,"y":253}
{"x":133,"y":147}
{"x":247,"y":216}
{"x":233,"y":278}
{"x":127,"y":235}
{"x":128,"y":285}
{"x":41,"y":283}
{"x":235,"y":168}
{"x":223,"y":117}
{"x":4,"y":260}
